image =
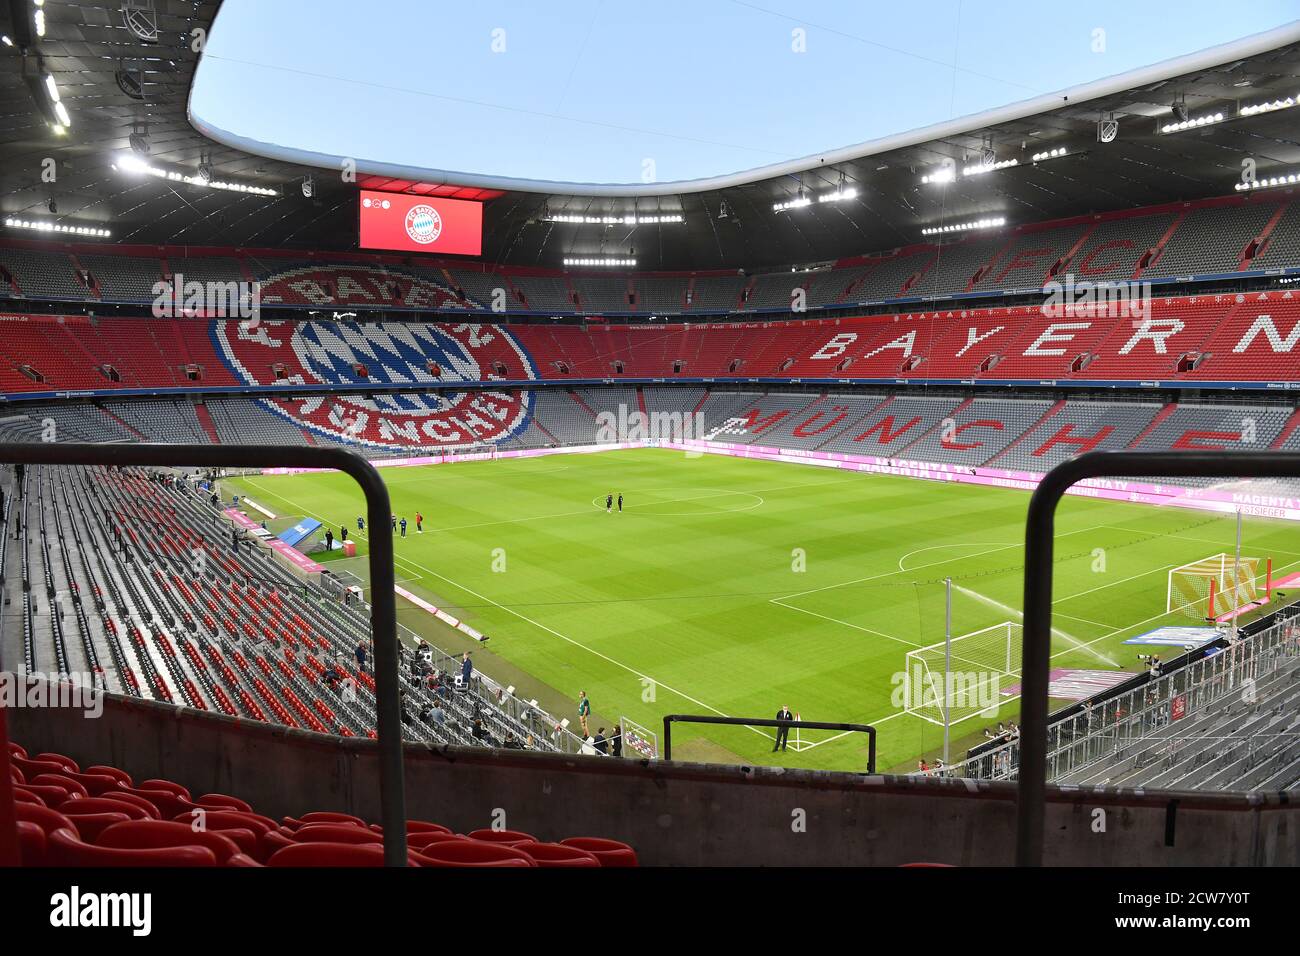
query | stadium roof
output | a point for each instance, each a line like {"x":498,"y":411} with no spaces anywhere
{"x":115,"y":85}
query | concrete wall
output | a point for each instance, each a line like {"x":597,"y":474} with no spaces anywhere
{"x":673,"y":813}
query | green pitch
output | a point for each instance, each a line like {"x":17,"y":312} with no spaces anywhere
{"x":730,"y":586}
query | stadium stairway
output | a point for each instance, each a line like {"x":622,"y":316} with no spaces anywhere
{"x":1155,"y":422}
{"x":1051,"y":413}
{"x":961,"y":407}
{"x":205,"y":419}
{"x":130,"y":428}
{"x":1288,"y":428}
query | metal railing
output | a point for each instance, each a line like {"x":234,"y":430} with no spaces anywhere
{"x":392,"y":797}
{"x":1037,"y":634}
{"x":526,"y":713}
{"x":867,"y":729}
{"x":1124,"y":720}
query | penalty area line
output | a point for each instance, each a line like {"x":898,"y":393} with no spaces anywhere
{"x":550,"y":630}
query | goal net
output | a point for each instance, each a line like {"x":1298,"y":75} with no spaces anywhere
{"x":965,"y":681}
{"x":638,"y":741}
{"x":1231,"y":582}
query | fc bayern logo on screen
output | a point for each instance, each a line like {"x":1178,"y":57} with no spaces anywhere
{"x":423,"y":224}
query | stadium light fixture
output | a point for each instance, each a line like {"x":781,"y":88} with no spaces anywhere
{"x":130,"y":163}
{"x":628,"y":220}
{"x":945,"y":174}
{"x":840,"y":195}
{"x":1254,"y":109}
{"x":38,"y":17}
{"x":798,"y":202}
{"x":625,"y":263}
{"x":4,"y":38}
{"x":979,"y":169}
{"x":1208,"y":119}
{"x":1050,"y":154}
{"x":1269,"y":182}
{"x":991,"y":223}
{"x":71,"y":229}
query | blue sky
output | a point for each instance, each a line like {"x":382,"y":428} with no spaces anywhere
{"x":590,"y":90}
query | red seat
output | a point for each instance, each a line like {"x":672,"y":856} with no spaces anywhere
{"x":557,"y":854}
{"x":123,"y":796}
{"x":64,"y":849}
{"x":91,"y":825}
{"x":272,"y":841}
{"x":105,"y":805}
{"x":60,"y":779}
{"x":608,"y":852}
{"x":50,"y":795}
{"x":329,"y":816}
{"x":93,"y":783}
{"x":67,"y":763}
{"x":224,"y":802}
{"x":158,"y":834}
{"x":48,"y":820}
{"x":422,"y":826}
{"x":167,"y":803}
{"x":31,"y":768}
{"x":31,"y":843}
{"x":417,"y":841}
{"x":121,"y":776}
{"x":328,"y":854}
{"x":226,"y":819}
{"x":508,"y":837}
{"x":245,"y":831}
{"x":167,"y":785}
{"x":336,"y":833}
{"x":471,"y":853}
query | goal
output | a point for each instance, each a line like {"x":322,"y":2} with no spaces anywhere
{"x":1206,"y":588}
{"x":639,"y":741}
{"x":966,"y":682}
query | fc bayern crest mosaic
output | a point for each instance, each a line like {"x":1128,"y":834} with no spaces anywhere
{"x":350,"y":355}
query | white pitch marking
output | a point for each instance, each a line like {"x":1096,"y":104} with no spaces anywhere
{"x":932,"y":564}
{"x":941,"y":547}
{"x":552,"y":631}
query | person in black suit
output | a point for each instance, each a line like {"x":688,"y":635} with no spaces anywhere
{"x":783,"y":731}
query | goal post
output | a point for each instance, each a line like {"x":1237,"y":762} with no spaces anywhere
{"x":963,"y":679}
{"x":1217,"y":585}
{"x":638,"y":741}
